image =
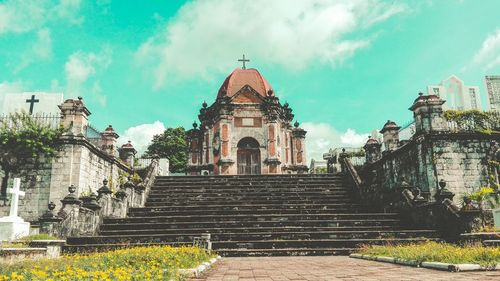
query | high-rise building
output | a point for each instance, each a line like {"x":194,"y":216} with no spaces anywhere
{"x":493,"y":89}
{"x":457,"y":95}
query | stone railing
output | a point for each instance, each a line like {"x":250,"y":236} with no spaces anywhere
{"x":417,"y":209}
{"x":352,"y":175}
{"x":84,"y":214}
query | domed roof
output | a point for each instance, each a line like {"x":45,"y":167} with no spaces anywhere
{"x":241,"y":77}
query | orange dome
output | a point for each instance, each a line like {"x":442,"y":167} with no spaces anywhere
{"x":241,"y":77}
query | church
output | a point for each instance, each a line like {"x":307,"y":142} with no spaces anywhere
{"x":246,"y":131}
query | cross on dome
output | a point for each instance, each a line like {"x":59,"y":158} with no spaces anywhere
{"x":244,"y":60}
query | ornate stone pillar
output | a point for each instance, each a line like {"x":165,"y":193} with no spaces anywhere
{"x":108,"y":140}
{"x":428,"y":114}
{"x":194,"y":159}
{"x":390,"y":133}
{"x":299,"y":149}
{"x":127,"y":154}
{"x":372,"y":150}
{"x":75,"y":115}
{"x":273,"y":160}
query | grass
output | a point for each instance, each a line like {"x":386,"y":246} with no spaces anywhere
{"x":12,"y":245}
{"x":39,"y":237}
{"x":438,"y":252}
{"x":144,"y":263}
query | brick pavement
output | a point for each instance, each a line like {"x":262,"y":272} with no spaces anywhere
{"x":327,"y":268}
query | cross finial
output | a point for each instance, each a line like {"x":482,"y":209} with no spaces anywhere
{"x":244,"y":60}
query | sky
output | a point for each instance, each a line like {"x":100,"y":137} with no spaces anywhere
{"x":345,"y":67}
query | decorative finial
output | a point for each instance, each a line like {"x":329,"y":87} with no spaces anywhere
{"x":244,"y":60}
{"x":270,"y":92}
{"x":80,"y":98}
{"x":195,"y":125}
{"x":286,"y":105}
{"x":420,"y":94}
{"x":442,"y":184}
{"x":204,"y":104}
{"x":296,"y":124}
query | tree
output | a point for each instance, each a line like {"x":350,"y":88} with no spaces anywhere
{"x":171,"y":144}
{"x":24,"y":140}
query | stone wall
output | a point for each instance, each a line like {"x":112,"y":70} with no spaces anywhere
{"x":82,"y":214}
{"x":84,"y":162}
{"x":435,"y":153}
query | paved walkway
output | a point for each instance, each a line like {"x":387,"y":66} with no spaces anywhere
{"x":328,"y":268}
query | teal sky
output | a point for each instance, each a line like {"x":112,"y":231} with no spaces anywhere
{"x":340,"y":64}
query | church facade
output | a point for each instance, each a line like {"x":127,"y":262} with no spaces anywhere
{"x":246,"y":131}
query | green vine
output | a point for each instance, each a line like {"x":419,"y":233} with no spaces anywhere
{"x":474,"y":120}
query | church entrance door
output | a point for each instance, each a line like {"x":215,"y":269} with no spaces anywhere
{"x":248,"y":157}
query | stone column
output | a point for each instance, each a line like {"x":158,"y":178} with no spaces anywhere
{"x":390,"y":133}
{"x":428,"y":114}
{"x":372,"y":150}
{"x":75,"y":115}
{"x":299,"y":148}
{"x":127,"y":154}
{"x":273,"y":160}
{"x":108,"y":140}
{"x":194,"y":159}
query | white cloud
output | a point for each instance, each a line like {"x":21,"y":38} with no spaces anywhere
{"x":82,"y":66}
{"x":41,"y":50}
{"x":141,"y":135}
{"x":19,"y":16}
{"x":10,"y":87}
{"x":322,"y":136}
{"x":352,"y":139}
{"x":208,"y":36}
{"x":489,"y":54}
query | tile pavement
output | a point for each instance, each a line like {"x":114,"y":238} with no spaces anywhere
{"x":327,"y":268}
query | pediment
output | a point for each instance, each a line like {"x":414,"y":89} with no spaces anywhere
{"x":247,"y":94}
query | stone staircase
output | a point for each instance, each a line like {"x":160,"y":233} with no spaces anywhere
{"x":253,"y":216}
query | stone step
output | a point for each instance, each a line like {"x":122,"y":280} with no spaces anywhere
{"x":316,"y":243}
{"x":241,"y":211}
{"x":276,"y":185}
{"x":209,"y":190}
{"x":242,"y":206}
{"x":228,"y":201}
{"x":244,"y":197}
{"x":260,"y":236}
{"x":254,"y":217}
{"x":286,"y":252}
{"x":249,"y":224}
{"x":222,"y":230}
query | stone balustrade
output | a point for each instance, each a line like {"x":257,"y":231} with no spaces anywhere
{"x":83,"y":215}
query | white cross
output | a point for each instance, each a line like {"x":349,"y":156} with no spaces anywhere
{"x":16,"y":193}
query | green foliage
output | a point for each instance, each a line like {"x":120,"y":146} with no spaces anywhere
{"x":474,"y":120}
{"x":24,"y":140}
{"x":320,"y":170}
{"x":172,"y":144}
{"x":438,"y":252}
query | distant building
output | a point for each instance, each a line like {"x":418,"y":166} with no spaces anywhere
{"x":457,"y":95}
{"x":318,"y":167}
{"x":31,"y":102}
{"x":493,"y":89}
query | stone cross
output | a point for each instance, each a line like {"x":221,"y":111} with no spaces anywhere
{"x":16,"y":193}
{"x":32,"y":102}
{"x":244,"y":60}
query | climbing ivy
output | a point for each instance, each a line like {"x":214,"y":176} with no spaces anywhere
{"x":474,"y":120}
{"x":25,"y":140}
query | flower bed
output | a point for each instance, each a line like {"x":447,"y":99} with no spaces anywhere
{"x":145,"y":263}
{"x":438,"y":252}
